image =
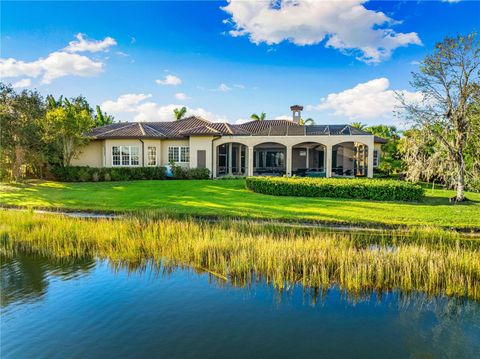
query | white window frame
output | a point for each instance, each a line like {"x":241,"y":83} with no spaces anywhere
{"x":375,"y":158}
{"x":179,"y":154}
{"x":152,"y":158}
{"x":129,"y":153}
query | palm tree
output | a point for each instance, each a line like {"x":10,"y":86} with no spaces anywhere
{"x":102,"y":119}
{"x":256,"y":117}
{"x":359,"y":125}
{"x":308,"y":122}
{"x":179,"y":113}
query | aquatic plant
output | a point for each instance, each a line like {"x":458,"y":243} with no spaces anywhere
{"x":430,"y":260}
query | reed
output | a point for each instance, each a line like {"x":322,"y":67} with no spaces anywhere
{"x":428,"y":260}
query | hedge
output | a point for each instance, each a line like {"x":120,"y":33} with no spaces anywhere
{"x":92,"y":174}
{"x":366,"y":188}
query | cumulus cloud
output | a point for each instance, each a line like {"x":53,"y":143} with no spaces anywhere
{"x":171,"y":80}
{"x":84,"y":45}
{"x":344,"y":25}
{"x":56,"y":64}
{"x":135,"y":107}
{"x":181,"y":96}
{"x":366,"y":101}
{"x":125,"y":103}
{"x":223,"y":88}
{"x":22,"y":83}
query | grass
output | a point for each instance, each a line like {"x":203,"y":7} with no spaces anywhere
{"x":433,"y":261}
{"x":230,"y":199}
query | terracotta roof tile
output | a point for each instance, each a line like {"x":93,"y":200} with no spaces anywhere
{"x":196,"y":126}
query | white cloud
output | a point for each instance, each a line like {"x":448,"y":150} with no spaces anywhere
{"x":125,"y":103}
{"x":134,"y":107}
{"x":344,"y":25}
{"x":84,"y":45}
{"x":55,"y":65}
{"x":170,"y":80}
{"x":58,"y":63}
{"x":239,"y":86}
{"x":240,"y":121}
{"x":223,"y":88}
{"x":22,"y":83}
{"x":283,"y":117}
{"x":366,"y":101}
{"x":181,"y":96}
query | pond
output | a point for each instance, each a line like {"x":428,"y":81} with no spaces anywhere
{"x":94,"y":309}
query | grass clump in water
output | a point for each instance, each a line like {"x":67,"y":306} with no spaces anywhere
{"x":432,"y":261}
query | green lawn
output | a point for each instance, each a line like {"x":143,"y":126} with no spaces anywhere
{"x":229,"y":198}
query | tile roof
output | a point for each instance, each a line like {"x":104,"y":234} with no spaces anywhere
{"x":196,"y":126}
{"x":379,"y":140}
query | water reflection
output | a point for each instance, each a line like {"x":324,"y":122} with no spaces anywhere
{"x":60,"y":308}
{"x":25,"y":277}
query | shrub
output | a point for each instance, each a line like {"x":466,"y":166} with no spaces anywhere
{"x":376,"y":189}
{"x":87,"y":174}
{"x":180,"y":172}
{"x":198,"y":173}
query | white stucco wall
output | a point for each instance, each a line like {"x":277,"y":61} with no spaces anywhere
{"x":201,"y":143}
{"x":90,"y":155}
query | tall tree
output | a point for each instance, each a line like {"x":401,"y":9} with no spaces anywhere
{"x":101,"y":118}
{"x":179,"y":113}
{"x":391,"y":162}
{"x":449,"y":83}
{"x":20,"y":131}
{"x":260,"y":117}
{"x":66,"y":125}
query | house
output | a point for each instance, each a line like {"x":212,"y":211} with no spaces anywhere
{"x":270,"y":147}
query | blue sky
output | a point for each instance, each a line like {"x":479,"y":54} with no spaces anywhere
{"x":224,"y":61}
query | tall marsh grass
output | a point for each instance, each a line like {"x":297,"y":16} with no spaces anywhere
{"x":431,"y":261}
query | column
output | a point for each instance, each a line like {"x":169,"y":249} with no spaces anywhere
{"x":308,"y":158}
{"x":239,"y":158}
{"x":214,"y":161}
{"x":230,"y":159}
{"x":250,"y":161}
{"x":370,"y":161}
{"x":328,"y":160}
{"x":289,"y":161}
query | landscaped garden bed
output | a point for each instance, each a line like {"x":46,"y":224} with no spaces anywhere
{"x":364,"y":188}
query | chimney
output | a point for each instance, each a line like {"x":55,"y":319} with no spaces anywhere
{"x":296,"y":113}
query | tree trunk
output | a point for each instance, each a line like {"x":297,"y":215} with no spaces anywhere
{"x":460,"y":196}
{"x":17,"y":163}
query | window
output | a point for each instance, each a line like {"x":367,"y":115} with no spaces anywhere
{"x":115,"y":156}
{"x":179,"y":154}
{"x":152,"y":156}
{"x":134,"y":156}
{"x":125,"y":156}
{"x":375,"y":158}
{"x":184,"y":154}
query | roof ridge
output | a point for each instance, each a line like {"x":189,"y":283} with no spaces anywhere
{"x":195,"y":117}
{"x":154,"y":130}
{"x":141,"y":128}
{"x":119,"y":128}
{"x":210,"y":128}
{"x":228,"y":127}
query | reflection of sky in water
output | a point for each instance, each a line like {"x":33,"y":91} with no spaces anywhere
{"x":88,"y":309}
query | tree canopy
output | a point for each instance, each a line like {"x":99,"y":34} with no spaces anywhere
{"x":448,"y":82}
